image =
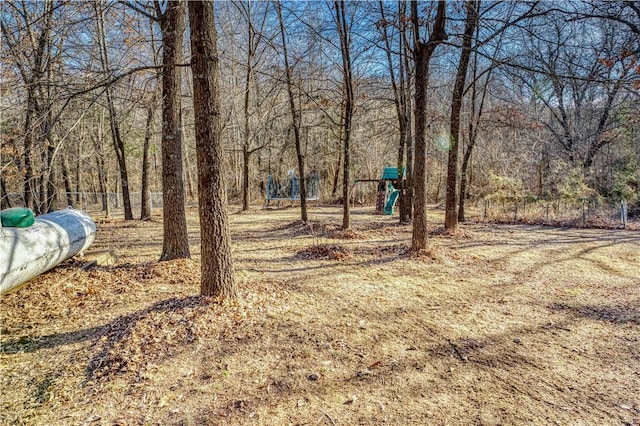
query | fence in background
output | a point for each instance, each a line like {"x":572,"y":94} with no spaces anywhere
{"x":586,"y":213}
{"x":94,"y":202}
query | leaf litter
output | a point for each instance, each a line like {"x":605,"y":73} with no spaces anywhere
{"x":485,"y":326}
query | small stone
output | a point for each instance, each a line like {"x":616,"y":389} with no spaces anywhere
{"x":517,"y":340}
{"x":350,"y":401}
{"x":626,"y":407}
{"x":363,"y":373}
{"x":313,"y":377}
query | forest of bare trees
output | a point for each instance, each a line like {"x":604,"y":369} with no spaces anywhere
{"x":538,"y":100}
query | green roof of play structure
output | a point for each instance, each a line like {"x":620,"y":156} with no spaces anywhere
{"x":391,"y":173}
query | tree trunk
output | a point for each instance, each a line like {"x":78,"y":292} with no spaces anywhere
{"x":336,"y":175}
{"x":77,"y":171}
{"x":345,"y":47}
{"x":103,"y":186}
{"x":246,"y":148}
{"x":217,"y":264}
{"x":66,"y":178}
{"x":27,"y":160}
{"x":451,"y":212}
{"x":463,"y":181}
{"x":423,"y":52}
{"x":5,"y":201}
{"x":145,"y":189}
{"x":466,"y":170}
{"x":52,"y":190}
{"x":116,"y":137}
{"x":400,"y":92}
{"x":175,"y":243}
{"x":246,"y":190}
{"x":295,"y":118}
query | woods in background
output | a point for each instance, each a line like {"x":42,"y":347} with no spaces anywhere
{"x":531,"y":92}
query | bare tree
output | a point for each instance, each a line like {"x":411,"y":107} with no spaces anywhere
{"x":217,"y":265}
{"x":295,"y":118}
{"x":254,"y":39}
{"x":116,"y":136}
{"x":451,"y":213}
{"x":175,"y":243}
{"x":401,"y":86}
{"x":422,"y":54}
{"x":30,"y":42}
{"x":344,"y":34}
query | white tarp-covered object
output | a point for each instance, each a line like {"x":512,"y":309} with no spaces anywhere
{"x":52,"y":239}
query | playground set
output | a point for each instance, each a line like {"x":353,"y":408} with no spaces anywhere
{"x":388,"y":191}
{"x":289,"y":188}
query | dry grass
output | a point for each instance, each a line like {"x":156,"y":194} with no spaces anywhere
{"x":490,"y":325}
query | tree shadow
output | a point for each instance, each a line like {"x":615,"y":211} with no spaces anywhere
{"x":623,"y":313}
{"x":33,"y":344}
{"x":108,"y":359}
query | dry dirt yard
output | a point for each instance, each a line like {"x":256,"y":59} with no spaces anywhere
{"x":497,"y":324}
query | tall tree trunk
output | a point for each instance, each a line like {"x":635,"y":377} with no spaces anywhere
{"x":27,"y":160}
{"x":175,"y":244}
{"x":217,"y":264}
{"x":246,"y":148}
{"x":423,"y":52}
{"x":345,"y":47}
{"x":145,"y":189}
{"x":77,"y":168}
{"x":451,"y":212}
{"x":402,"y":111}
{"x":295,"y":118}
{"x":116,"y":137}
{"x":406,"y":209}
{"x":466,"y":171}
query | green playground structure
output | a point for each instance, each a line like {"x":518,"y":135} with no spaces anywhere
{"x":387,"y":193}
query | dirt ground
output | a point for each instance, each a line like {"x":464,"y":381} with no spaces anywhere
{"x":497,"y":324}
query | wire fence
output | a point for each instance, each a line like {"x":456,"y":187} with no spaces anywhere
{"x":559,"y":212}
{"x":92,"y":202}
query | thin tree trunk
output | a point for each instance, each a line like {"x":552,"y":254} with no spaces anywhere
{"x":77,"y":167}
{"x":345,"y":47}
{"x":246,"y":149}
{"x":52,"y":190}
{"x":175,"y":244}
{"x":217,"y":265}
{"x":103,"y":186}
{"x":67,"y":182}
{"x":400,"y":101}
{"x":5,"y":201}
{"x":116,"y":137}
{"x":27,"y":160}
{"x":473,"y":130}
{"x":145,"y":189}
{"x":451,"y":213}
{"x":295,"y":118}
{"x":336,"y":175}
